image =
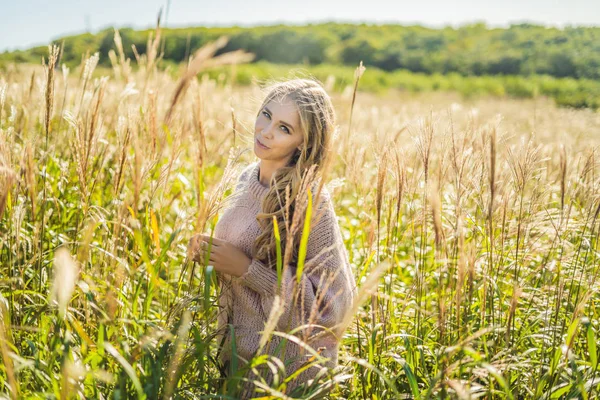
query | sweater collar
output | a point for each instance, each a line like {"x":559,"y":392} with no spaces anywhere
{"x":254,"y":185}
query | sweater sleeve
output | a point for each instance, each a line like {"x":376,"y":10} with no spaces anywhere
{"x":327,"y":287}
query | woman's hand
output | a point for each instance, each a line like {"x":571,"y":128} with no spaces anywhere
{"x":224,"y":256}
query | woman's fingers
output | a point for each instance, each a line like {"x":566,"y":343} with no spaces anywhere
{"x":202,"y":250}
{"x":198,"y":246}
{"x":206,"y":239}
{"x":204,"y":247}
{"x":211,"y":259}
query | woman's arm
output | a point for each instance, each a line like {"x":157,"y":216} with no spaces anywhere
{"x":327,"y":287}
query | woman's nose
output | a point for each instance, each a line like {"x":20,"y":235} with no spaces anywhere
{"x":267,"y":131}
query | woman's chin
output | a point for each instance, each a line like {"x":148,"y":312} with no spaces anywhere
{"x":259,"y":151}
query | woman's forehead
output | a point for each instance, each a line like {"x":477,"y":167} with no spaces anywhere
{"x":282,"y":100}
{"x":285,"y":109}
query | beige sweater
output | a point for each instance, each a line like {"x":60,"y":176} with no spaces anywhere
{"x":327,"y":287}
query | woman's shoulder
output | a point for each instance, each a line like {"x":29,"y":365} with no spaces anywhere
{"x":241,"y":187}
{"x":247,"y":171}
{"x":325,"y":234}
{"x":245,"y":175}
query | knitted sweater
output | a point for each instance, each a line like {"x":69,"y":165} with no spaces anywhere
{"x":327,"y":287}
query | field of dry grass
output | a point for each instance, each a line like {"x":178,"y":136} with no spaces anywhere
{"x":480,"y":221}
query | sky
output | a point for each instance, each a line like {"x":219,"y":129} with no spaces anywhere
{"x":27,"y":23}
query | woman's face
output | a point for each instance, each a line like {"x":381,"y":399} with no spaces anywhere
{"x":277,"y":127}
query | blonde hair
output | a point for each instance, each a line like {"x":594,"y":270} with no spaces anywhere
{"x":317,"y":123}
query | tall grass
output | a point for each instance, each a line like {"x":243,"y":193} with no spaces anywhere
{"x":476,"y":235}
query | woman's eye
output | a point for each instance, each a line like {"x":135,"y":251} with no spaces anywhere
{"x":266,"y":114}
{"x":286,"y":130}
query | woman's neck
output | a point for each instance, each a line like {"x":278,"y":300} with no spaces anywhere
{"x":266,"y":170}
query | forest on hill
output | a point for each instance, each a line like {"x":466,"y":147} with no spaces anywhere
{"x":521,"y":61}
{"x":522,"y":49}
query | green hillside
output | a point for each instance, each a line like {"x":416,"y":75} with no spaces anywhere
{"x":522,"y":49}
{"x":522,"y":61}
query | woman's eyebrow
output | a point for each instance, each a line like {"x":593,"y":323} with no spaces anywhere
{"x":283,"y":122}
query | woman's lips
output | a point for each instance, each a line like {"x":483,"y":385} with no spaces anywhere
{"x":262,"y":145}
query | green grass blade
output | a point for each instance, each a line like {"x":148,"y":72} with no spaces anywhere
{"x":127,"y":367}
{"x":591,"y":345}
{"x":304,"y":239}
{"x":278,"y":250}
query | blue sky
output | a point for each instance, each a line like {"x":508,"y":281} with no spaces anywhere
{"x":25,"y":23}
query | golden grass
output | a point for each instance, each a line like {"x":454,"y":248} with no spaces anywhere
{"x":471,"y":226}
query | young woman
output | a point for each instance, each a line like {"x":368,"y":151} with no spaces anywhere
{"x":292,"y":136}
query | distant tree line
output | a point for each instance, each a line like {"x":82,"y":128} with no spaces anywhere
{"x":476,"y":49}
